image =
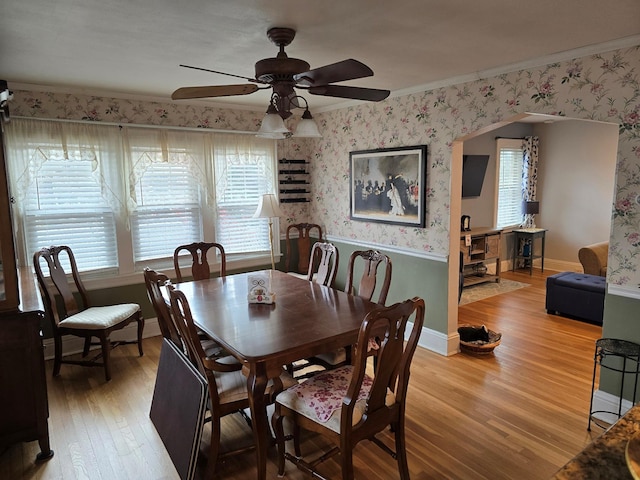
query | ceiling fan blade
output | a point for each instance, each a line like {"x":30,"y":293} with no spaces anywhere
{"x":222,"y":73}
{"x":357,"y":93}
{"x":213,"y":91}
{"x":336,"y":72}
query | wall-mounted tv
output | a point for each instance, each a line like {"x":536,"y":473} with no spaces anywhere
{"x":473,"y":170}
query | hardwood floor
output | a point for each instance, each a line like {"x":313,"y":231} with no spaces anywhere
{"x":520,"y":413}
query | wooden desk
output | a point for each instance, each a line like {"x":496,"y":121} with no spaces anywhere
{"x":307,"y":319}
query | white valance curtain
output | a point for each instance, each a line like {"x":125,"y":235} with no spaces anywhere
{"x":34,"y":142}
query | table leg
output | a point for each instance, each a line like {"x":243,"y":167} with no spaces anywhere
{"x":543,"y":235}
{"x":256,"y":386}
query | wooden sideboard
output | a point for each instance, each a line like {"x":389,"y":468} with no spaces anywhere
{"x":482,"y":249}
{"x":24,"y":408}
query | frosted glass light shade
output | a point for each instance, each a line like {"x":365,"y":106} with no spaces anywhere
{"x":272,"y":123}
{"x":307,"y":128}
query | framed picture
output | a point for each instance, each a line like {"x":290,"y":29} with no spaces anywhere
{"x":388,"y":185}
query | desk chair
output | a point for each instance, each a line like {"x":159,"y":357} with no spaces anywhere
{"x":78,"y":318}
{"x":346,"y":405}
{"x":200,"y":268}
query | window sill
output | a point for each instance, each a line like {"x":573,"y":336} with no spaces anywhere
{"x":30,"y":295}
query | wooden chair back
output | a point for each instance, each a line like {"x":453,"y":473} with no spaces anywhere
{"x":200,"y":268}
{"x":303,"y":243}
{"x":367,"y":284}
{"x":184,"y":321}
{"x":394,"y":356}
{"x":154,"y":282}
{"x":323,"y":271}
{"x":59,"y":284}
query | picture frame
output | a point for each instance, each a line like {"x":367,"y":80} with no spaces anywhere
{"x":388,"y":185}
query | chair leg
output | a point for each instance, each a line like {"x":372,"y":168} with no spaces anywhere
{"x":276,"y":422}
{"x":401,"y":451}
{"x":87,"y":346}
{"x":57,"y":359}
{"x":106,"y":353}
{"x":140,"y":329}
{"x":214,"y":448}
{"x":346,"y":461}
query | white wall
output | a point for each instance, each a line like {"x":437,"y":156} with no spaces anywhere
{"x":575,"y":185}
{"x":482,"y":208}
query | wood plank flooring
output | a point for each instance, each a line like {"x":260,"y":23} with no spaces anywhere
{"x":520,"y":413}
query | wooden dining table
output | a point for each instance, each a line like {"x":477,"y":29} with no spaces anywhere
{"x":306,"y":319}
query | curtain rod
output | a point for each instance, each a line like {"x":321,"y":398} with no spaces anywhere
{"x":136,"y":125}
{"x":510,"y":138}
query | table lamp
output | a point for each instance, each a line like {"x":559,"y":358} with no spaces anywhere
{"x":530,"y":209}
{"x":268,"y":207}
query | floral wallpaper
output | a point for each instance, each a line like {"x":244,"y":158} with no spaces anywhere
{"x":604,"y":87}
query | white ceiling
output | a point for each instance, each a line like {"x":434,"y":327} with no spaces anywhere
{"x":134,"y":47}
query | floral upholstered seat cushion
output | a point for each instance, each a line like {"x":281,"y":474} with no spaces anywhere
{"x":98,"y":318}
{"x":320,"y":397}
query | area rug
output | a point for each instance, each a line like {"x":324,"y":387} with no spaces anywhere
{"x":489,"y":289}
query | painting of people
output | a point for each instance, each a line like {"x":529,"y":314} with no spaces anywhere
{"x":388,"y":185}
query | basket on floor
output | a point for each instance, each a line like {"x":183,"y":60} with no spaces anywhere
{"x":471,"y":342}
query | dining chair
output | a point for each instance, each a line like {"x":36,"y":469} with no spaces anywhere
{"x":323,"y":270}
{"x":302,"y":250}
{"x":346,"y":405}
{"x":154,"y":282}
{"x":200,"y":268}
{"x":227,"y":390}
{"x":369,"y":262}
{"x":77,"y":317}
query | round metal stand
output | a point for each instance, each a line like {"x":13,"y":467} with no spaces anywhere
{"x":628,"y":352}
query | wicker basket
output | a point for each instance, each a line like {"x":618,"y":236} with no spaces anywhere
{"x":479,"y":347}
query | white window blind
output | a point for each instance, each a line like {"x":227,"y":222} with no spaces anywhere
{"x":237,"y":230}
{"x":65,"y":207}
{"x":168,"y":212}
{"x":123,"y":197}
{"x":245,"y":170}
{"x":510,"y":159}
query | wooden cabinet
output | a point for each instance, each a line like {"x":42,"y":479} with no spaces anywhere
{"x":479,"y":248}
{"x":24,"y":409}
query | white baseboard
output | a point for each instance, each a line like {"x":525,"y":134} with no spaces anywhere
{"x":604,"y":402}
{"x":437,"y":342}
{"x":72,"y":345}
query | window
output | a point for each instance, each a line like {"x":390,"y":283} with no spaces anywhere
{"x":166,"y":176}
{"x":181,"y":186}
{"x":510,"y":164}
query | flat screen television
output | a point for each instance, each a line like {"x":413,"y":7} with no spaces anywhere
{"x":473,"y":170}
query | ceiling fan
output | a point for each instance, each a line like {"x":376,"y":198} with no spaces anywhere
{"x":284,"y":74}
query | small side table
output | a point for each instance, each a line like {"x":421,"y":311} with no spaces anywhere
{"x":629,"y":352}
{"x":528,"y":236}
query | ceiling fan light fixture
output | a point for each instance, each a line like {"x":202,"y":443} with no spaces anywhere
{"x":272,"y":123}
{"x":307,"y":127}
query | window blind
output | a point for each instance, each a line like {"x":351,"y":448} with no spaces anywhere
{"x":510,"y":158}
{"x":65,"y":207}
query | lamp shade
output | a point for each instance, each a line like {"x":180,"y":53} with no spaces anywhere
{"x":307,"y":128}
{"x":272,"y":123}
{"x":268,"y":207}
{"x":531,"y":208}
